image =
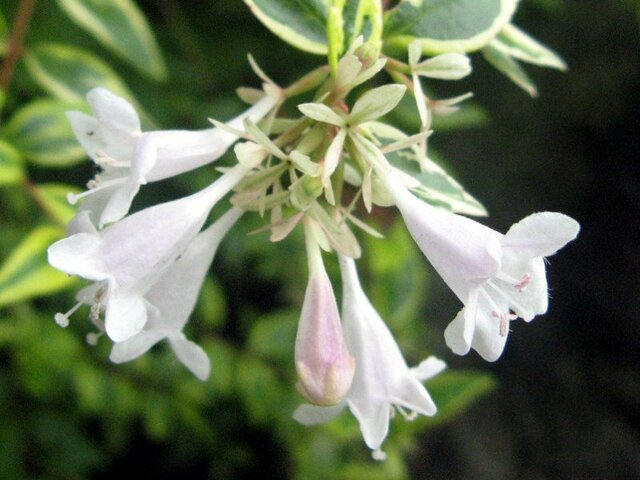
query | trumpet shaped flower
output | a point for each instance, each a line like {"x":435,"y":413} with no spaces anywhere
{"x":174,"y":296}
{"x":129,"y":158}
{"x":498,"y":277}
{"x":128,"y":257}
{"x":324,"y":365}
{"x":382,"y":379}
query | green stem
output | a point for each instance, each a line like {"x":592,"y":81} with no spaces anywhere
{"x":314,"y":255}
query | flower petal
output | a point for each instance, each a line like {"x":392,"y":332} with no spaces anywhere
{"x":126,"y":314}
{"x":410,"y":393}
{"x":86,"y":129}
{"x":428,"y":368}
{"x":192,"y":356}
{"x":487,"y":339}
{"x":119,"y":202}
{"x":176,"y":292}
{"x":82,"y":223}
{"x":463,"y":251}
{"x":135,"y":346}
{"x":75,"y":255}
{"x":454,"y":334}
{"x":541,"y":234}
{"x":373,"y":420}
{"x":113,"y":110}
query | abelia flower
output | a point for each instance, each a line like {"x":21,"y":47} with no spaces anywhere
{"x":498,"y":277}
{"x":174,"y":296}
{"x":129,"y":158}
{"x":382,"y":379}
{"x":324,"y":365}
{"x":126,"y":258}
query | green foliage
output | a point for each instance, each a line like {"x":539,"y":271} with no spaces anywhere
{"x":121,"y":27}
{"x":304,"y":24}
{"x":436,"y":186}
{"x":454,"y":391}
{"x":452,"y":26}
{"x":68,"y":72}
{"x":25,"y":273}
{"x":301,"y":23}
{"x":52,"y":197}
{"x":42,"y":134}
{"x":11,"y":165}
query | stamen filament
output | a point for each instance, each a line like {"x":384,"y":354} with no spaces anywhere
{"x":94,"y":187}
{"x":62,"y":319}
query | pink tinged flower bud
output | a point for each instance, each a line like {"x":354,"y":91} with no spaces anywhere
{"x":324,"y":365}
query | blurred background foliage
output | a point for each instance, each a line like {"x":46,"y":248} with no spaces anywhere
{"x":560,"y":403}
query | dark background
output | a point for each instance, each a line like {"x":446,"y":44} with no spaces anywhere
{"x":569,"y":402}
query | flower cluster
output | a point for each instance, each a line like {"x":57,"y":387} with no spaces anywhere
{"x":311,"y":170}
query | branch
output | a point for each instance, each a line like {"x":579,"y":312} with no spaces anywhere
{"x":16,"y":42}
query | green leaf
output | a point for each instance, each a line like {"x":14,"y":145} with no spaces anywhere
{"x":41,"y":132}
{"x":521,"y":46}
{"x":121,"y":27}
{"x":53,"y":198}
{"x":301,"y":23}
{"x":25,"y":273}
{"x":436,"y":185}
{"x":68,"y":72}
{"x":446,"y":26}
{"x":505,"y":64}
{"x":363,"y":17}
{"x":453,"y":391}
{"x":11,"y":165}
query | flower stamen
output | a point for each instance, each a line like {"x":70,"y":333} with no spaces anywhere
{"x":505,"y":318}
{"x":105,"y":161}
{"x":94,"y":186}
{"x":62,"y":319}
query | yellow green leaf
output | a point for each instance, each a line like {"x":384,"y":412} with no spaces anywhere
{"x":42,"y":133}
{"x":69,"y":72}
{"x":53,"y":198}
{"x":25,"y":273}
{"x":11,"y":165}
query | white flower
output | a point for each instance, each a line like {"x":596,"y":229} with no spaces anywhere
{"x":324,"y":365}
{"x":130,"y":158}
{"x":174,"y":296}
{"x":126,"y":258}
{"x":382,"y":379}
{"x":498,"y":277}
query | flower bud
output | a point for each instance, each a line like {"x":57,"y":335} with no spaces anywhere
{"x":324,"y":365}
